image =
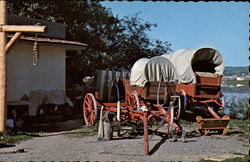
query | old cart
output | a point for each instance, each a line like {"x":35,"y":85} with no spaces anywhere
{"x":159,"y":89}
{"x":152,"y":97}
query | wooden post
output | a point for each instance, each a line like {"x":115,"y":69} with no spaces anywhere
{"x":3,"y":51}
{"x":145,"y":125}
{"x":3,"y":40}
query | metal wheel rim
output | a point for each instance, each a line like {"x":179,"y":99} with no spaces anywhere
{"x":171,"y":123}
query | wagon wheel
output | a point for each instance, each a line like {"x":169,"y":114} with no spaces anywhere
{"x":89,"y":109}
{"x":133,"y":101}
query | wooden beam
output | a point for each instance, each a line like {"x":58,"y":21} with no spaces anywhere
{"x":3,"y":40}
{"x":3,"y":48}
{"x":12,"y":41}
{"x":22,"y":28}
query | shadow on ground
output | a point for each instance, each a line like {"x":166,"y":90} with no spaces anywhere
{"x":53,"y":123}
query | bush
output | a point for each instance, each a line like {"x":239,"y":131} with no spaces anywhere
{"x":4,"y":138}
{"x":239,"y":108}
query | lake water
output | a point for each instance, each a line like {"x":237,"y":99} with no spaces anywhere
{"x":234,"y":94}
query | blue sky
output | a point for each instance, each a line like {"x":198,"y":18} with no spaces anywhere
{"x":221,"y":25}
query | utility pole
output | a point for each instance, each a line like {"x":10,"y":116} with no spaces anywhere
{"x":4,"y":47}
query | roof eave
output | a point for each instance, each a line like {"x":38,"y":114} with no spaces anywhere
{"x":68,"y":45}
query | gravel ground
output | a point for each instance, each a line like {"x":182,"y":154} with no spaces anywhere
{"x":60,"y":146}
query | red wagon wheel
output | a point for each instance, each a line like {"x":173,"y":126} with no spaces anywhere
{"x":89,"y":109}
{"x":133,"y":101}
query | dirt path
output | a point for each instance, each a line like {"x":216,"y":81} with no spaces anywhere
{"x":61,"y":146}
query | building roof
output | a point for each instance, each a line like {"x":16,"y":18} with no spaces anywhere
{"x":67,"y":44}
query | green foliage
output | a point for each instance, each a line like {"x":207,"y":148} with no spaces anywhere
{"x":245,"y":83}
{"x":235,"y":159}
{"x":6,"y":138}
{"x":239,"y":71}
{"x":239,"y":106}
{"x":112,"y":42}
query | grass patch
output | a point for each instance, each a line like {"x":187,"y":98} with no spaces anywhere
{"x":85,"y":131}
{"x":235,"y":159}
{"x":6,"y":138}
{"x":242,"y":126}
{"x":238,"y":153}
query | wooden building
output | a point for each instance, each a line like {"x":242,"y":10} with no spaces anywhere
{"x":49,"y":72}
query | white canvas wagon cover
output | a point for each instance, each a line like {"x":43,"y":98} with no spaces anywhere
{"x":189,"y":61}
{"x":137,"y":75}
{"x":155,"y":69}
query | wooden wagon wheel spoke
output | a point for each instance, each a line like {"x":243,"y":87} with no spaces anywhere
{"x":88,"y":118}
{"x":92,"y":118}
{"x":86,"y":104}
{"x":89,"y":101}
{"x":86,"y":113}
{"x":89,"y":109}
{"x":92,"y":115}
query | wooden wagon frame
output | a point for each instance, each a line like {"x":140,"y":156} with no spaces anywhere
{"x":141,"y":103}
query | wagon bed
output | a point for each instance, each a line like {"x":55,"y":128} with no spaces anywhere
{"x":208,"y":86}
{"x":150,"y":91}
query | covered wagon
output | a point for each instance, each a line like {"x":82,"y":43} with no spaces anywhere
{"x":156,"y":89}
{"x":153,"y":78}
{"x":149,"y":95}
{"x":200,"y":74}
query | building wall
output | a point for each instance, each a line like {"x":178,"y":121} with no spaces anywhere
{"x":22,"y":76}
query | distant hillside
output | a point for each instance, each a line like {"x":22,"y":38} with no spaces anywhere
{"x":239,"y":70}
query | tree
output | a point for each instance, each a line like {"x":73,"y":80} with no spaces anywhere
{"x":134,"y":43}
{"x":112,"y":42}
